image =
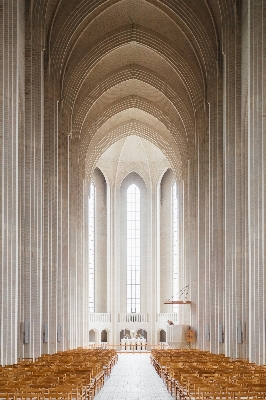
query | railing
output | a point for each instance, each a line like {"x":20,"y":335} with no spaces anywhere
{"x":99,"y":317}
{"x":133,"y":317}
{"x":121,"y":348}
{"x":163,"y":317}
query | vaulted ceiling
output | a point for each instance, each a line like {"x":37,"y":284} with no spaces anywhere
{"x":140,"y":67}
{"x":147,"y":160}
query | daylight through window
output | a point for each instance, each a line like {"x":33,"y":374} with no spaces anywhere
{"x":133,"y":249}
{"x":91,"y":235}
{"x":175,"y":255}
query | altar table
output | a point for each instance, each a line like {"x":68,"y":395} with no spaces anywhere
{"x":133,"y":344}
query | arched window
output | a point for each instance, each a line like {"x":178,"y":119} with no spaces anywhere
{"x":133,"y":249}
{"x":175,"y":243}
{"x":91,"y":235}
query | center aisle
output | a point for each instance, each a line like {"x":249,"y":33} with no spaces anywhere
{"x":133,"y":378}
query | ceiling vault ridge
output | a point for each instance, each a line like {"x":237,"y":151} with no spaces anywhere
{"x":71,"y":87}
{"x":122,"y":76}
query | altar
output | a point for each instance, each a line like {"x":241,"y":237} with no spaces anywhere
{"x":133,"y":344}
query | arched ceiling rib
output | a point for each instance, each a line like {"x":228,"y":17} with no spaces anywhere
{"x":147,"y":160}
{"x":132,"y":13}
{"x":142,"y":92}
{"x":133,"y":58}
{"x":139,"y":76}
{"x":171,"y":87}
{"x":111,"y":100}
{"x":194,"y":21}
{"x":92,"y":126}
{"x":102,"y":141}
{"x":75,"y":78}
{"x":78,"y":15}
{"x":107,"y":58}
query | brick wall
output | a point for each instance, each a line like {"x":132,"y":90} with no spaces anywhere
{"x":78,"y":77}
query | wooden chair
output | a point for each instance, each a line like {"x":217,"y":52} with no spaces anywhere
{"x":60,"y":393}
{"x":6,"y":393}
{"x":29,"y":393}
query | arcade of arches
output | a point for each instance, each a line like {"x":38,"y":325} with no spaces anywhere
{"x":152,"y":93}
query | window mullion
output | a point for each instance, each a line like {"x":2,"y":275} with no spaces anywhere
{"x":91,"y":253}
{"x":133,"y":246}
{"x":175,"y":243}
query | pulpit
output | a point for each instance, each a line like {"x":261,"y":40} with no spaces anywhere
{"x":176,"y":336}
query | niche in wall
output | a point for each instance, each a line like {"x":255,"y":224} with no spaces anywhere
{"x":92,"y":336}
{"x":143,"y":333}
{"x":104,"y":336}
{"x":123,"y":333}
{"x":162,"y":336}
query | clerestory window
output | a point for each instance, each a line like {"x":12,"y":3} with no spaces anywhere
{"x":91,"y":235}
{"x":133,"y":249}
{"x":175,"y":244}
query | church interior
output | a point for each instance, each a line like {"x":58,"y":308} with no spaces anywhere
{"x":132,"y":170}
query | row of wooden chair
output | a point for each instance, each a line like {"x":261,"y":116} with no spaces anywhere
{"x":199,"y":375}
{"x":74,"y":374}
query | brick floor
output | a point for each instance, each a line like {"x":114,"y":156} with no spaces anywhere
{"x":133,"y":378}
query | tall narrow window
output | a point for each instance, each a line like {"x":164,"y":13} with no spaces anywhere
{"x":91,"y":235}
{"x":133,"y":249}
{"x":175,"y":245}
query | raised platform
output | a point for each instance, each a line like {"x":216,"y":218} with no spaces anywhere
{"x":176,"y":336}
